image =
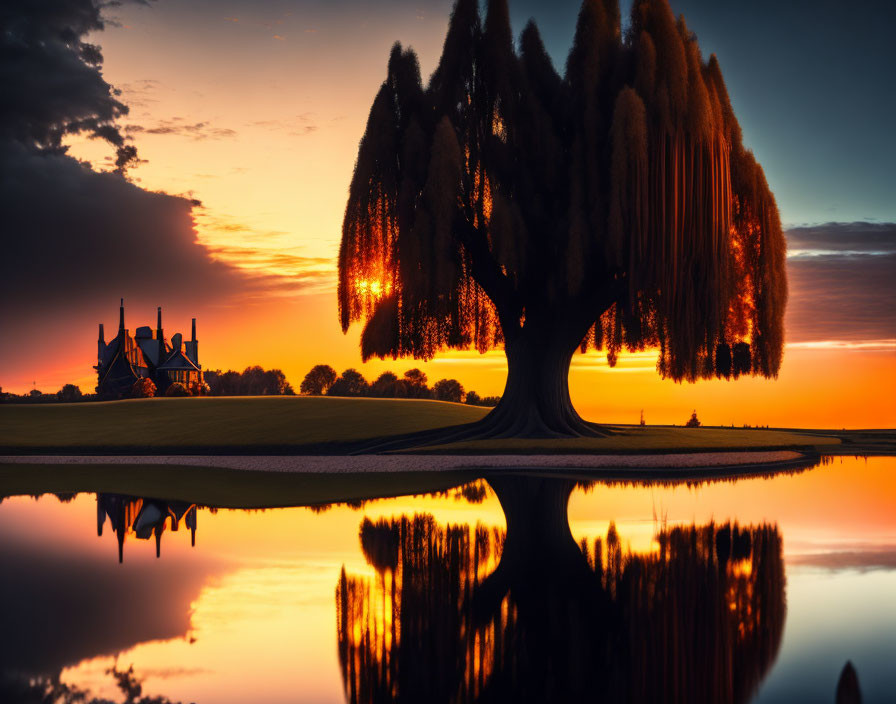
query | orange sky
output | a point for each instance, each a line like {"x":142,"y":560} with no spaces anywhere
{"x":265,"y":133}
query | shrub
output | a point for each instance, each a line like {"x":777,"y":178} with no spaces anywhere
{"x":143,"y":388}
{"x":198,"y":389}
{"x":177,"y":389}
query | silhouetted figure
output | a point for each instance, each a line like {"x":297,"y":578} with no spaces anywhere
{"x":506,"y":206}
{"x":848,"y":691}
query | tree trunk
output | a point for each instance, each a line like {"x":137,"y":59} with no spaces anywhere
{"x":536,"y":401}
{"x":561,"y":611}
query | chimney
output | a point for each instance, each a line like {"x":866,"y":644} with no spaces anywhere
{"x":121,"y":318}
{"x":101,"y":345}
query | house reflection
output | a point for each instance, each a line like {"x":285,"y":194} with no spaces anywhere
{"x":143,"y":518}
{"x":463,"y":614}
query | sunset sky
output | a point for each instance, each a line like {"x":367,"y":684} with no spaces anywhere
{"x":252,"y":111}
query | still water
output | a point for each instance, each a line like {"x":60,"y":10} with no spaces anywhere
{"x":512,"y":589}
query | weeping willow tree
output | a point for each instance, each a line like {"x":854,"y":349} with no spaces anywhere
{"x":612,"y":208}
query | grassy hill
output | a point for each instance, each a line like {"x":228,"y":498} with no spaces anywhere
{"x":226,"y":424}
{"x":309,"y":425}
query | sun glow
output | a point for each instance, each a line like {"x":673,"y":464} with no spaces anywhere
{"x":374,"y":288}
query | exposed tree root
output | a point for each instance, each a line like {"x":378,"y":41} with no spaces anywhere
{"x":500,"y":423}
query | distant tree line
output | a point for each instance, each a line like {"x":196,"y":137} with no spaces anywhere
{"x":323,"y":380}
{"x":70,"y":393}
{"x":252,"y":381}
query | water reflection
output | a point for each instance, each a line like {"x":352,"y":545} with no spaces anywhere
{"x":698,"y":620}
{"x":433,"y":605}
{"x":60,"y":606}
{"x":143,"y":518}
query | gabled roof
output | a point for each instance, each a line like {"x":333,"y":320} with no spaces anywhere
{"x":120,"y":361}
{"x":178,"y":361}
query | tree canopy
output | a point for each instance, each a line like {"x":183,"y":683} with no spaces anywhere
{"x":613,"y":207}
{"x":318,"y":380}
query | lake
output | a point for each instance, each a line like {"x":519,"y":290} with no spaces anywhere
{"x":519,"y":588}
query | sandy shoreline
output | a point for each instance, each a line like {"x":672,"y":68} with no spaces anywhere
{"x":341,"y":464}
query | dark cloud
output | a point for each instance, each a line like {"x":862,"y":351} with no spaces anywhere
{"x":75,"y":235}
{"x":52,"y":83}
{"x":838,"y":239}
{"x":74,"y":239}
{"x":842,"y":283}
{"x":877,"y":558}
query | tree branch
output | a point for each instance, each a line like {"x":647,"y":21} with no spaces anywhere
{"x":487,"y":273}
{"x":592,"y":302}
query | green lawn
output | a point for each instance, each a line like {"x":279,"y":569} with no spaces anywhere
{"x":285,"y":422}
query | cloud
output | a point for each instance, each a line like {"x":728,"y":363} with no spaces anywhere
{"x":298,"y":126}
{"x":75,"y":235}
{"x":842,"y":285}
{"x":139,"y":93}
{"x":197,"y":131}
{"x":883,"y":558}
{"x":294,"y":272}
{"x":75,"y":240}
{"x":52,"y":83}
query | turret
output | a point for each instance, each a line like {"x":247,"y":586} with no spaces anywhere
{"x":160,"y":336}
{"x":195,"y":345}
{"x":101,"y":345}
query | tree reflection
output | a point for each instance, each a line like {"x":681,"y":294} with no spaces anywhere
{"x":461,"y":614}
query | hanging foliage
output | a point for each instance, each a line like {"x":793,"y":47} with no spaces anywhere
{"x":613,"y":207}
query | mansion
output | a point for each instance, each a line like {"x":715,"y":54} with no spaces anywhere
{"x":147,"y":354}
